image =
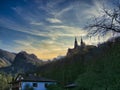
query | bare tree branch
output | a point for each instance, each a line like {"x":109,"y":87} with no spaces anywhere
{"x":110,"y":21}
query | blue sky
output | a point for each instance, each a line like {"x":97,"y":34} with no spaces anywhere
{"x":46,"y":27}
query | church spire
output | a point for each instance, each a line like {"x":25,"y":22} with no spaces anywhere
{"x":82,"y":43}
{"x":75,"y":43}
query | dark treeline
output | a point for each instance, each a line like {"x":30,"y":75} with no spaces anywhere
{"x":95,"y":69}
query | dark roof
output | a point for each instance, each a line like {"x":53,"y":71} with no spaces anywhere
{"x":31,"y":78}
{"x":71,"y":85}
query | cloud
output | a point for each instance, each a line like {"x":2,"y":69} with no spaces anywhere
{"x":11,"y":24}
{"x":53,"y":9}
{"x":69,"y":31}
{"x":94,"y":10}
{"x":28,"y":29}
{"x":24,"y":13}
{"x":63,"y":11}
{"x":30,"y":14}
{"x":54,"y":20}
{"x":36,"y":23}
{"x":23,"y":42}
{"x":42,"y":48}
{"x":50,"y":31}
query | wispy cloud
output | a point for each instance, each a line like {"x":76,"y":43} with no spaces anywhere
{"x":28,"y":29}
{"x":26,"y":14}
{"x":69,"y":31}
{"x":54,"y":20}
{"x":36,"y":23}
{"x":52,"y":8}
{"x":63,"y":11}
{"x":95,"y":10}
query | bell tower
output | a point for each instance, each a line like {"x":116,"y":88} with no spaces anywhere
{"x":82,"y":43}
{"x":75,"y":43}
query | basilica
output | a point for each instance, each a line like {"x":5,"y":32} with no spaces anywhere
{"x":77,"y":48}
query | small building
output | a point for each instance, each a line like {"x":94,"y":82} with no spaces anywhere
{"x":30,"y":82}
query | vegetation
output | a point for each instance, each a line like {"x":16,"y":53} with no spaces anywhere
{"x":104,"y":73}
{"x":4,"y":80}
{"x":54,"y":87}
{"x":97,"y":69}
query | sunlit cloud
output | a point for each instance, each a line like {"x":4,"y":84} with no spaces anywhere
{"x":69,"y":31}
{"x":51,"y":48}
{"x":54,"y":20}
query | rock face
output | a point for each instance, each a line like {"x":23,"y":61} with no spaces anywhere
{"x":25,"y":62}
{"x":13,"y":63}
{"x":6,"y":58}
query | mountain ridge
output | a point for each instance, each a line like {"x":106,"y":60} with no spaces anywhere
{"x":22,"y":61}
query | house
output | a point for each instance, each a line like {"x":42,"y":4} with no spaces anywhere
{"x":30,"y":82}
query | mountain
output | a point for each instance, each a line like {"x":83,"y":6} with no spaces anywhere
{"x":20,"y":62}
{"x":6,"y":58}
{"x":24,"y":61}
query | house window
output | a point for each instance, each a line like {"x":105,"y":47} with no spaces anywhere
{"x":46,"y":85}
{"x":35,"y":84}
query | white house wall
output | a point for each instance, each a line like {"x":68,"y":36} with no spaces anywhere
{"x":40,"y":85}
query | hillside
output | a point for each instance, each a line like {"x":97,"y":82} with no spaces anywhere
{"x":98,"y":67}
{"x":102,"y":72}
{"x":6,"y":58}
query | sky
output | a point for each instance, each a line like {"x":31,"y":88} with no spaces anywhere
{"x":46,"y":28}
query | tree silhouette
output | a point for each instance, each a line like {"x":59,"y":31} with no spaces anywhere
{"x":107,"y":22}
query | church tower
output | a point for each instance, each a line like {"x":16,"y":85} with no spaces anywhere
{"x":75,"y":43}
{"x":82,"y":43}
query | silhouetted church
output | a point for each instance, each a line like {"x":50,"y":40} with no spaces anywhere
{"x":77,"y":48}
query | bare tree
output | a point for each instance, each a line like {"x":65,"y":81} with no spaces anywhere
{"x":108,"y":21}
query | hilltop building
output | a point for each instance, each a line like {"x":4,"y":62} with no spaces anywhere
{"x":77,"y":48}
